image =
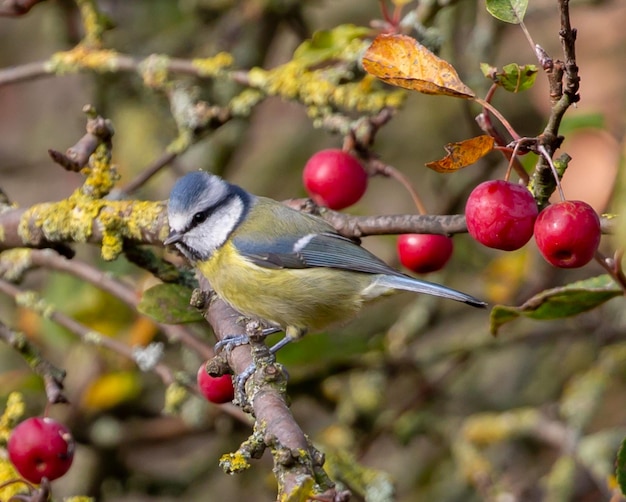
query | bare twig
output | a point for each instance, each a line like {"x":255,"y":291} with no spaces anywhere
{"x":148,"y":172}
{"x":483,"y":120}
{"x":53,"y":377}
{"x":86,"y":334}
{"x":102,"y":280}
{"x":386,"y":170}
{"x":613,"y":267}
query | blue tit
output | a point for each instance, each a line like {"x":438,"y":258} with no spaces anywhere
{"x":273,"y":263}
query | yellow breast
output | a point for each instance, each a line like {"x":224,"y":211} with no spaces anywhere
{"x":311,"y":298}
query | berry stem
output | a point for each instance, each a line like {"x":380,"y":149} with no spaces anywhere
{"x":499,"y":116}
{"x":532,"y":43}
{"x":512,"y":158}
{"x":484,"y":122}
{"x":613,"y":267}
{"x":392,"y":172}
{"x":385,"y":11}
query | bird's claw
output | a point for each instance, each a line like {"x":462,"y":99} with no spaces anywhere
{"x":240,"y":383}
{"x":228,"y":343}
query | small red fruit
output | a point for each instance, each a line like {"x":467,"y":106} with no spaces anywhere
{"x":501,"y":215}
{"x":568,"y":233}
{"x":334,"y":178}
{"x":217,"y":390}
{"x":41,"y":448}
{"x":424,"y":253}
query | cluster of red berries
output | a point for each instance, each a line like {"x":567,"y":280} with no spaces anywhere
{"x":41,"y":448}
{"x":499,"y":214}
{"x":503,"y":215}
{"x":335,"y":179}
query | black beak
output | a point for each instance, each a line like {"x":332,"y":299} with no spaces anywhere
{"x":173,"y":238}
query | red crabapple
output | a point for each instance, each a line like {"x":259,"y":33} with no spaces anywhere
{"x":501,"y":214}
{"x":334,"y":178}
{"x":41,"y":448}
{"x":424,"y":253}
{"x":568,"y":233}
{"x":217,"y":390}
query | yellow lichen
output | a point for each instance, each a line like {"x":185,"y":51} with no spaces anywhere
{"x":82,"y":57}
{"x":112,"y":246}
{"x":489,"y":428}
{"x":70,"y":219}
{"x":94,"y":22}
{"x":175,"y":396}
{"x":143,"y":216}
{"x":322,"y":90}
{"x":182,"y":142}
{"x":101,"y":176}
{"x":155,"y":70}
{"x":213,"y":66}
{"x":32,"y":301}
{"x":233,"y":463}
{"x":13,"y":263}
{"x":12,"y":413}
{"x":242,"y":104}
{"x":257,"y":77}
{"x":303,"y":491}
{"x":8,"y":473}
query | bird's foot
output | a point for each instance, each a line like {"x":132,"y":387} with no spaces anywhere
{"x":263,"y":359}
{"x":229,"y":342}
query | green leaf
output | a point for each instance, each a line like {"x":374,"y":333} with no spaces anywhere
{"x":620,"y":467}
{"x":328,"y":44}
{"x":582,"y":121}
{"x":560,"y":302}
{"x":169,"y":304}
{"x":509,"y":11}
{"x":512,"y":78}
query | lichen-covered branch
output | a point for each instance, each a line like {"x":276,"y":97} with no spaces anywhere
{"x":297,"y":464}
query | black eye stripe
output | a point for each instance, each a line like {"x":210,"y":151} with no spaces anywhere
{"x":201,"y":216}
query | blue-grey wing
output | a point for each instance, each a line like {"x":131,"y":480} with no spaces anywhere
{"x":313,"y":250}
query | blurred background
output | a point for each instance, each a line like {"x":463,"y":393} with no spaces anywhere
{"x":396,"y":390}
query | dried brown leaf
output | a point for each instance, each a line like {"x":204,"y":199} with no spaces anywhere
{"x":402,"y":61}
{"x":462,"y":154}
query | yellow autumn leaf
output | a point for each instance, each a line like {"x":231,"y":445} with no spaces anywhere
{"x":402,"y":61}
{"x":110,"y":390}
{"x":462,"y":154}
{"x":142,"y":332}
{"x":505,"y":274}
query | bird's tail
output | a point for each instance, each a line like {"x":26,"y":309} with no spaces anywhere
{"x":407,"y":283}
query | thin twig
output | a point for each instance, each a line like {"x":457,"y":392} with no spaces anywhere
{"x":52,"y":376}
{"x":148,"y":173}
{"x":86,"y":334}
{"x":102,"y":280}
{"x":391,"y":172}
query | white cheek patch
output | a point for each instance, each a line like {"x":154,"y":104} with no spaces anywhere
{"x":215,"y":230}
